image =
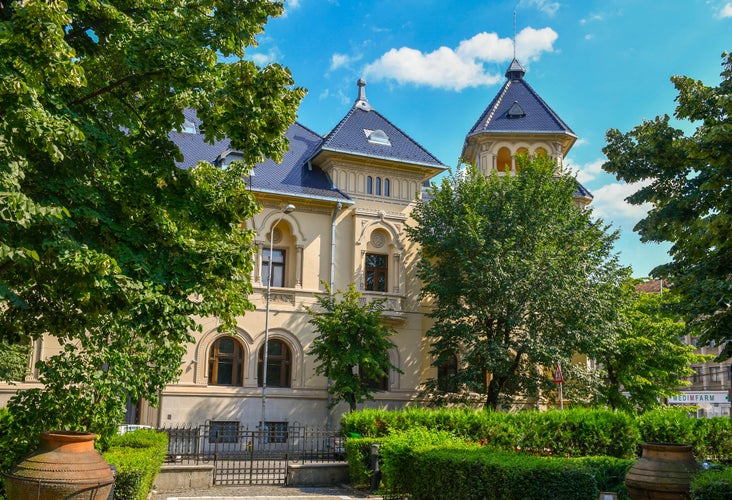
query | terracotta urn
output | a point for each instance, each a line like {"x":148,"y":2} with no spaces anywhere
{"x":65,"y":465}
{"x":663,"y":472}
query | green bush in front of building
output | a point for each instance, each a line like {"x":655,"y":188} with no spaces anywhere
{"x":137,"y":457}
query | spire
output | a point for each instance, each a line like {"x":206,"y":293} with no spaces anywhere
{"x":361,"y":101}
{"x":515,"y":71}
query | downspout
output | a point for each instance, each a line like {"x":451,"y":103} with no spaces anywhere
{"x":329,"y":418}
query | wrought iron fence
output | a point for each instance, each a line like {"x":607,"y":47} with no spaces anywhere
{"x":245,"y":456}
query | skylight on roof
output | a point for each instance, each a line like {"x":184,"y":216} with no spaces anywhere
{"x":377,"y":137}
{"x":188,"y":127}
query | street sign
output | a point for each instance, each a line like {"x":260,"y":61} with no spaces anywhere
{"x":558,"y":377}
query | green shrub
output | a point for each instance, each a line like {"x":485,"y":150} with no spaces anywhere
{"x":711,"y":438}
{"x":398,"y":451}
{"x":474,"y":472}
{"x":358,"y":455}
{"x":137,"y":457}
{"x":712,"y":485}
{"x":609,"y":473}
{"x":574,"y":432}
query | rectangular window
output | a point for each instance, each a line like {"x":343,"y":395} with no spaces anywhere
{"x":278,"y":267}
{"x":275,"y":432}
{"x":224,"y":432}
{"x":698,"y":376}
{"x":377,"y":270}
{"x":715,"y":373}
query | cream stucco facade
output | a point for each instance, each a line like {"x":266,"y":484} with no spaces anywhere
{"x":352,"y":231}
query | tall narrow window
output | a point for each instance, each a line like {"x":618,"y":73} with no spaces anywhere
{"x":503,"y":161}
{"x":225,"y":362}
{"x":369,"y":185}
{"x":377,"y":270}
{"x":278,"y":364}
{"x":386,"y":188}
{"x":446,"y":371}
{"x":378,"y":186}
{"x":278,"y":267}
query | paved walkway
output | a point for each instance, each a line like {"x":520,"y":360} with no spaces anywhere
{"x":265,"y":493}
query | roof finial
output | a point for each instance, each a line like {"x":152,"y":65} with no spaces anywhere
{"x":361,"y":101}
{"x":515,"y":71}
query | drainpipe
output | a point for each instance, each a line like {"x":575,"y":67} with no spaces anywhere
{"x":329,"y":417}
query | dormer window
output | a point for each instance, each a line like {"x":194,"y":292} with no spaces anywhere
{"x":516,"y":110}
{"x":188,"y":127}
{"x":377,"y":137}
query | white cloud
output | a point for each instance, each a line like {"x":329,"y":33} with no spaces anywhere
{"x":609,"y":203}
{"x":456,"y":69}
{"x":587,"y":172}
{"x":726,"y":11}
{"x":545,"y":6}
{"x":338,"y":61}
{"x":262,"y":59}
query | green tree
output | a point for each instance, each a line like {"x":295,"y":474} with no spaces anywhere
{"x":645,"y":356}
{"x":687,"y":179}
{"x":352,"y":345}
{"x":14,"y":357}
{"x":105,"y":244}
{"x":518,"y":276}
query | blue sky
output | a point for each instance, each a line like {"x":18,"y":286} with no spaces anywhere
{"x":432,"y":67}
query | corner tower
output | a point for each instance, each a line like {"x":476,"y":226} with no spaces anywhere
{"x":516,"y":121}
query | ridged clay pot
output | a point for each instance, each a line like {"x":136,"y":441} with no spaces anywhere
{"x":65,"y":466}
{"x":663,"y":472}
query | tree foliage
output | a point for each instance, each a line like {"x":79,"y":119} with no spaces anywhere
{"x":104,"y":243}
{"x":645,"y":356}
{"x":519,"y":278}
{"x":352,"y":345}
{"x":687,"y":179}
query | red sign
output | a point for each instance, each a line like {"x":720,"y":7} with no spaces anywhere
{"x":558,"y":377}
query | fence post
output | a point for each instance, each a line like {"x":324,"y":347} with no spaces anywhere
{"x":376,"y":476}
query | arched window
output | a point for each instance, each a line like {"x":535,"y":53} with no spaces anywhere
{"x":225,"y":365}
{"x":377,"y":384}
{"x":386,"y":188}
{"x":369,"y":185}
{"x":503,"y":161}
{"x":521,"y":152}
{"x":378,"y":186}
{"x":446,"y":371}
{"x":279,"y":364}
{"x":540,"y":152}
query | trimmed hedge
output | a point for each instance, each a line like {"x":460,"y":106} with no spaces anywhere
{"x":137,"y":457}
{"x":470,"y":471}
{"x":712,"y":485}
{"x":358,"y":455}
{"x":574,"y":432}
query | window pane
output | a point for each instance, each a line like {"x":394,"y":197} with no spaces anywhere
{"x":378,"y":185}
{"x":376,"y":272}
{"x":278,"y":267}
{"x":225,"y":372}
{"x":369,"y":185}
{"x":386,"y":187}
{"x":226,"y":346}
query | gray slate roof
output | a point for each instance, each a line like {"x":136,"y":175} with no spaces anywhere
{"x":516,"y":94}
{"x":298,"y":174}
{"x":350,"y":136}
{"x":293,"y":176}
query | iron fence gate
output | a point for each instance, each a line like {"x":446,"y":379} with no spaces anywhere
{"x":260,"y":456}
